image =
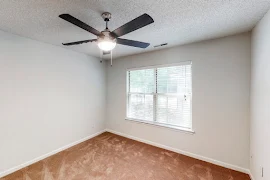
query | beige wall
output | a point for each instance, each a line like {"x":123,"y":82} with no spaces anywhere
{"x":260,"y":100}
{"x":221,"y":81}
{"x":49,"y":98}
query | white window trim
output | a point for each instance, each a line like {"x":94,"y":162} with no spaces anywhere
{"x":154,"y":123}
{"x":187,"y":130}
{"x":160,"y":65}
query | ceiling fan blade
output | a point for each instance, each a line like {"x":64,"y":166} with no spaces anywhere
{"x":132,"y":43}
{"x":133,"y":25}
{"x":79,"y":42}
{"x":79,"y":23}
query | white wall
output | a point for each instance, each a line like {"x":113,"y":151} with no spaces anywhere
{"x":49,"y":97}
{"x":260,"y":100}
{"x":221,"y":81}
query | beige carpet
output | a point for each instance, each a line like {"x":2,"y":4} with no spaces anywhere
{"x":112,"y":157}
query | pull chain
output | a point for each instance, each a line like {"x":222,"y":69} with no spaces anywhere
{"x":111,"y":57}
{"x":100,"y":55}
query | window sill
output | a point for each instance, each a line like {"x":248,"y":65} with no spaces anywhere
{"x":185,"y":130}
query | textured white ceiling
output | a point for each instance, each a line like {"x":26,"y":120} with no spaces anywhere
{"x":176,"y":21}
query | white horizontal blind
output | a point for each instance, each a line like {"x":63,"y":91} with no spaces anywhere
{"x":174,"y":96}
{"x":141,"y":107}
{"x":140,"y":97}
{"x":161,"y":95}
{"x":142,"y":81}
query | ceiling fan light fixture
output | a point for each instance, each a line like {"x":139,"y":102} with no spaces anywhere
{"x":106,"y":42}
{"x":106,"y":45}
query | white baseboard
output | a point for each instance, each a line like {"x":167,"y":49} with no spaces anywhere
{"x":226,"y":165}
{"x":251,"y":176}
{"x":196,"y":156}
{"x":16,"y":168}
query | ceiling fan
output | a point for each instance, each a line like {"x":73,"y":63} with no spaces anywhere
{"x":107,"y":39}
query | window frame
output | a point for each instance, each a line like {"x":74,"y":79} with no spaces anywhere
{"x":154,"y":122}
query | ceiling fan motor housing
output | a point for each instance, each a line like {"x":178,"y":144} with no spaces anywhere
{"x":105,"y":35}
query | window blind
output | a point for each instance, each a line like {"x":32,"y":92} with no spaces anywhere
{"x":161,"y":95}
{"x":141,"y":89}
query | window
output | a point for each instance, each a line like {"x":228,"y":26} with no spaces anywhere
{"x":161,"y":95}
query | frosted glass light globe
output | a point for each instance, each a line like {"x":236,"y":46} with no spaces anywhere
{"x":106,"y":44}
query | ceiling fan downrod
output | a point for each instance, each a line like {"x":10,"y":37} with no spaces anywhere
{"x":106,"y":16}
